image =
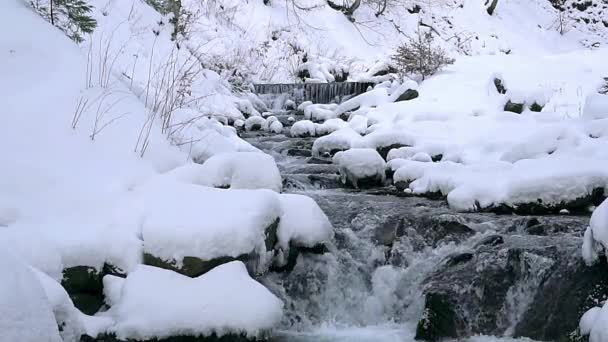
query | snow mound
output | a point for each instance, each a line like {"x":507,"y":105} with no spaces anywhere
{"x":596,"y":235}
{"x":303,"y":223}
{"x":25,"y":312}
{"x":340,"y":140}
{"x":157,"y":303}
{"x":330,"y":126}
{"x":320,"y":112}
{"x":359,"y":164}
{"x":596,"y":107}
{"x":303,"y":128}
{"x":595,"y":324}
{"x":180,"y":220}
{"x":234,"y":170}
{"x":254,"y":123}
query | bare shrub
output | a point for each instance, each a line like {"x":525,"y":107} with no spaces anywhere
{"x":420,"y":56}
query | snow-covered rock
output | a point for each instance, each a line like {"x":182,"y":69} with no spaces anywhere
{"x":303,"y":223}
{"x":361,"y":167}
{"x":157,"y":303}
{"x":596,"y":107}
{"x":595,"y":240}
{"x":320,"y":112}
{"x":237,"y":170}
{"x":191,"y":228}
{"x":254,"y":123}
{"x":25,"y":311}
{"x":340,"y":140}
{"x":330,"y":126}
{"x":302,"y":128}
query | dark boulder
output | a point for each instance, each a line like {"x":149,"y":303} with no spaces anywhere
{"x":409,"y":94}
{"x":514,"y":107}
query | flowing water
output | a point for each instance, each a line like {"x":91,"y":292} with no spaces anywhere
{"x":369,"y":286}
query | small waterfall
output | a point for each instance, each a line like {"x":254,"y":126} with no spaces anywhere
{"x":315,"y":92}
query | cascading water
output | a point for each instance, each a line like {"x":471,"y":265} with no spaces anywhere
{"x":387,"y":249}
{"x":315,"y":92}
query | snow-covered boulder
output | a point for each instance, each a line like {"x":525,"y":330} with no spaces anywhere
{"x":595,"y":240}
{"x":276,"y":127}
{"x":596,"y":107}
{"x":303,"y":128}
{"x":237,"y":170}
{"x":320,"y":112}
{"x":330,"y":126}
{"x":303,"y":227}
{"x":191,"y":228}
{"x":340,"y":140}
{"x":254,"y":123}
{"x":152,"y":303}
{"x":361,"y":167}
{"x":25,"y":311}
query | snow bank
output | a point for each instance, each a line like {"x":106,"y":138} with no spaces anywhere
{"x":360,"y":164}
{"x":303,"y":223}
{"x":237,"y":170}
{"x":180,"y":220}
{"x":25,"y":312}
{"x":549,"y":182}
{"x":157,"y":303}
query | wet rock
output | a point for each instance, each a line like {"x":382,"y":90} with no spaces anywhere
{"x":535,"y":107}
{"x":490,"y":240}
{"x":316,"y":160}
{"x":84,"y":286}
{"x":294,"y":252}
{"x":500,"y":86}
{"x":528,"y":286}
{"x":439,"y":320}
{"x":577,"y":206}
{"x":409,"y":94}
{"x":458,"y":258}
{"x":442,"y":229}
{"x":194,"y":267}
{"x":383,"y":150}
{"x":514,"y":107}
{"x":212,"y":338}
{"x":295,"y":152}
{"x":386,"y":233}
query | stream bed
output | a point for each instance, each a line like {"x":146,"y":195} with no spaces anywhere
{"x":403,"y":266}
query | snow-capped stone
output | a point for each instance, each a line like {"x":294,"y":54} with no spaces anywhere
{"x":254,"y":123}
{"x":361,"y":166}
{"x":206,"y":226}
{"x":303,"y":128}
{"x":235,"y":171}
{"x":157,"y":303}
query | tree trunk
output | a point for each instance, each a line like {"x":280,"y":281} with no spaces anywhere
{"x":492,"y":7}
{"x":52,"y":14}
{"x":347,"y":10}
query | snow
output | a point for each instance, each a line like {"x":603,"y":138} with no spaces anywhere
{"x":596,"y":107}
{"x":303,"y":128}
{"x":234,"y":170}
{"x":596,"y":235}
{"x":342,"y":139}
{"x":303,"y":223}
{"x":157,"y":303}
{"x":73,"y":322}
{"x":320,"y":112}
{"x":594,"y":323}
{"x":180,"y":219}
{"x":359,"y":163}
{"x":25,"y":312}
{"x":254,"y":123}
